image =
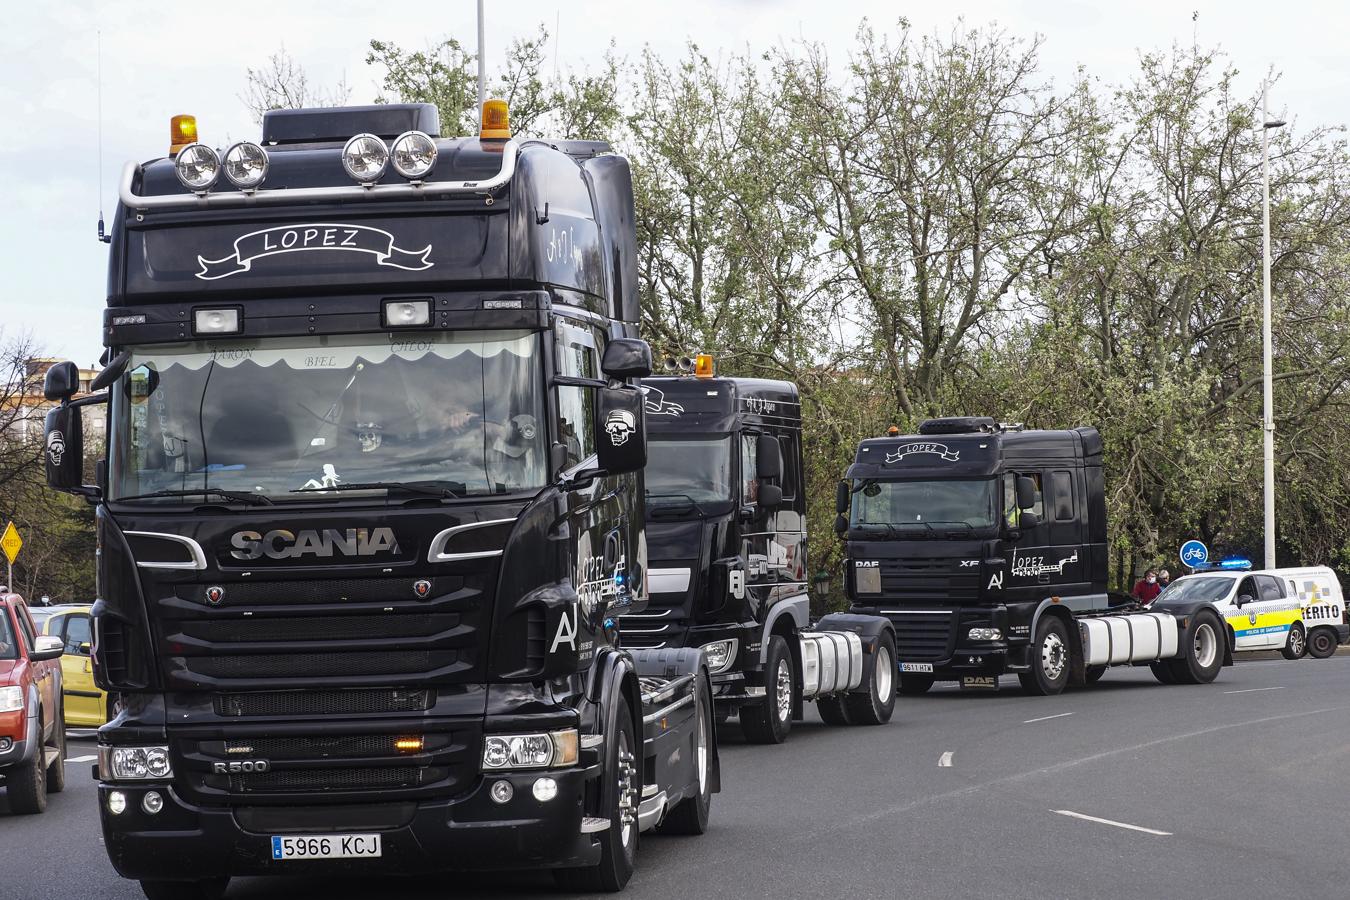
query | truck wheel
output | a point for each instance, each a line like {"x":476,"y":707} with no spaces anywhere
{"x":912,"y":685}
{"x":691,"y":816}
{"x":56,"y":772}
{"x":1322,"y":643}
{"x":620,"y":791}
{"x":832,"y":710}
{"x":875,"y":705}
{"x":210,"y":889}
{"x":1049,"y":659}
{"x":770,"y":721}
{"x":1203,"y":648}
{"x":26,"y":784}
{"x":1297,"y":645}
{"x":1094,"y":674}
{"x":1162,"y":670}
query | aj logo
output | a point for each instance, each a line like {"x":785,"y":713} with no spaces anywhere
{"x":995,"y":582}
{"x":567,"y":631}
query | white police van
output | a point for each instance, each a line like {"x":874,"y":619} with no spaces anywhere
{"x":1297,"y":611}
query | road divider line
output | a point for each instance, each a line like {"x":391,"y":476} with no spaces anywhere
{"x":945,"y":760}
{"x":1047,"y":718}
{"x":1254,"y":690}
{"x":1127,"y":825}
{"x":81,"y":759}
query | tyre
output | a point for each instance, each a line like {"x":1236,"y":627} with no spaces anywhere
{"x":1296,"y":647}
{"x":1094,"y":674}
{"x":26,"y":784}
{"x":619,"y":803}
{"x":1322,"y":643}
{"x":56,"y":772}
{"x":1050,"y":659}
{"x":1162,"y":670}
{"x":875,"y":705}
{"x":769,"y":721}
{"x":1203,"y":648}
{"x":210,"y":889}
{"x":833,"y":710}
{"x":912,"y":685}
{"x":691,"y":815}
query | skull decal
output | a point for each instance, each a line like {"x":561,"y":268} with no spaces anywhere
{"x":56,"y":447}
{"x":371,"y":435}
{"x":620,"y":425}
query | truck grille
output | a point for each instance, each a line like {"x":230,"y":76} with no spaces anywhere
{"x":310,"y":780}
{"x":322,"y":703}
{"x":293,"y":628}
{"x":922,"y":636}
{"x":928,"y":580}
{"x":301,"y":665}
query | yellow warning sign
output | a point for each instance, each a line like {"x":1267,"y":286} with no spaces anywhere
{"x":11,"y":543}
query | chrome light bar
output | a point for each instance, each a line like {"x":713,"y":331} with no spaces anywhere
{"x":335,"y":193}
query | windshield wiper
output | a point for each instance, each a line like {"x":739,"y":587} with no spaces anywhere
{"x":235,"y":496}
{"x":453,"y":488}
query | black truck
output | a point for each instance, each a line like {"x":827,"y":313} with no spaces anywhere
{"x":986,"y":545}
{"x":372,"y":510}
{"x":726,"y":541}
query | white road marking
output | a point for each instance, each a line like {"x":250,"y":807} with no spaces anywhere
{"x":1047,"y":718}
{"x":1254,"y":690}
{"x":81,"y":759}
{"x":1087,"y":818}
{"x":945,"y":761}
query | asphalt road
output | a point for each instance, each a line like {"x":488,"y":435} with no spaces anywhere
{"x":1125,"y":789}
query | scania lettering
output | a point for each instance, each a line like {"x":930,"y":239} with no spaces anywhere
{"x":372,"y":514}
{"x":726,"y":532}
{"x":985,"y":545}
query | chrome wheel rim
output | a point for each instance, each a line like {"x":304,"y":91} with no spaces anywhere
{"x":1053,"y":656}
{"x":1206,"y":646}
{"x":701,"y":751}
{"x":627,"y":791}
{"x":885,"y":673}
{"x":783,"y":690}
{"x":1296,"y":641}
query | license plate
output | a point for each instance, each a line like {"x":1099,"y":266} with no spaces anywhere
{"x":325,"y":846}
{"x":916,"y":667}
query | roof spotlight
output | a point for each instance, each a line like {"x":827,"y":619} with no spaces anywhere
{"x":245,"y":165}
{"x":413,"y":155}
{"x":365,"y":157}
{"x":197,"y":167}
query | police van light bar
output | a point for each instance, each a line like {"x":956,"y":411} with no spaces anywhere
{"x":406,"y":313}
{"x":182,"y":131}
{"x":413,"y":155}
{"x":496,"y":121}
{"x":245,"y":165}
{"x":365,"y":157}
{"x":197,"y":167}
{"x":215,"y":321}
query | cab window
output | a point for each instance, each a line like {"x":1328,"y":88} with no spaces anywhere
{"x":25,"y":628}
{"x":1270,"y":587}
{"x":749,"y":467}
{"x":577,"y":359}
{"x":1246,"y":589}
{"x":1011,"y":512}
{"x":77,"y":634}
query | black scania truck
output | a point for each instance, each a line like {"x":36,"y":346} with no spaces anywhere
{"x":372,"y":510}
{"x":726,"y":539}
{"x":985,"y":544}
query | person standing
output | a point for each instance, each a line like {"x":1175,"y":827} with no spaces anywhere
{"x":1146,"y":589}
{"x":1164,"y":579}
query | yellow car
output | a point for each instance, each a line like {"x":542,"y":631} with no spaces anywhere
{"x":86,"y":705}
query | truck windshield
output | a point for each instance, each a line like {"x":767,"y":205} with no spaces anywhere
{"x":299,"y":418}
{"x":1197,"y":587}
{"x":959,"y":502}
{"x":695,"y":469}
{"x":9,"y":648}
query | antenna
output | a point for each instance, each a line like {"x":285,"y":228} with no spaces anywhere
{"x":103,"y":235}
{"x":482,"y":66}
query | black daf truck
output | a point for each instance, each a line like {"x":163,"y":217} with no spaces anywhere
{"x":985,"y":544}
{"x":726,"y":543}
{"x":372,"y":511}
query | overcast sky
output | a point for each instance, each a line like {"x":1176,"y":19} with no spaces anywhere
{"x":162,"y":58}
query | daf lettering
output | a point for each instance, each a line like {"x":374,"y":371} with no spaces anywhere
{"x":283,"y":544}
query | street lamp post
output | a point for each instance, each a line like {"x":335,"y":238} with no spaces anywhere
{"x":1268,"y":417}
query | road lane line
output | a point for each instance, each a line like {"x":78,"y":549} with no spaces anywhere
{"x":81,"y":759}
{"x":1254,"y":690}
{"x":945,"y":761}
{"x":1047,"y":718}
{"x":1087,"y":818}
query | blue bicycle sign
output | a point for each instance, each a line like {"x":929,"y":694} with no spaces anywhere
{"x":1194,"y":554}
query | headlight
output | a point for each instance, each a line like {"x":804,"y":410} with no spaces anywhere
{"x":413,"y":154}
{"x":530,"y":751}
{"x":134,"y":763}
{"x":985,"y":634}
{"x":720,"y":654}
{"x":245,"y":165}
{"x":197,"y":167}
{"x":867,"y":579}
{"x":365,"y":158}
{"x":11,"y":699}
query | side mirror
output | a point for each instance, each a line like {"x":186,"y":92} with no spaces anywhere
{"x":770,"y":497}
{"x":769,"y":459}
{"x":627,"y":358}
{"x":840,"y":525}
{"x":1026,"y":494}
{"x":47,"y":647}
{"x":62,"y":381}
{"x":1028,"y":521}
{"x":1244,"y":599}
{"x":621,"y":430}
{"x":85,"y":649}
{"x":64,"y":449}
{"x":842,"y":493}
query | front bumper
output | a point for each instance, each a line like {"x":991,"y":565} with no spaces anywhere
{"x":18,"y":731}
{"x":469,"y":832}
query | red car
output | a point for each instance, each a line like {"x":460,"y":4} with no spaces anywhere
{"x":32,"y":717}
